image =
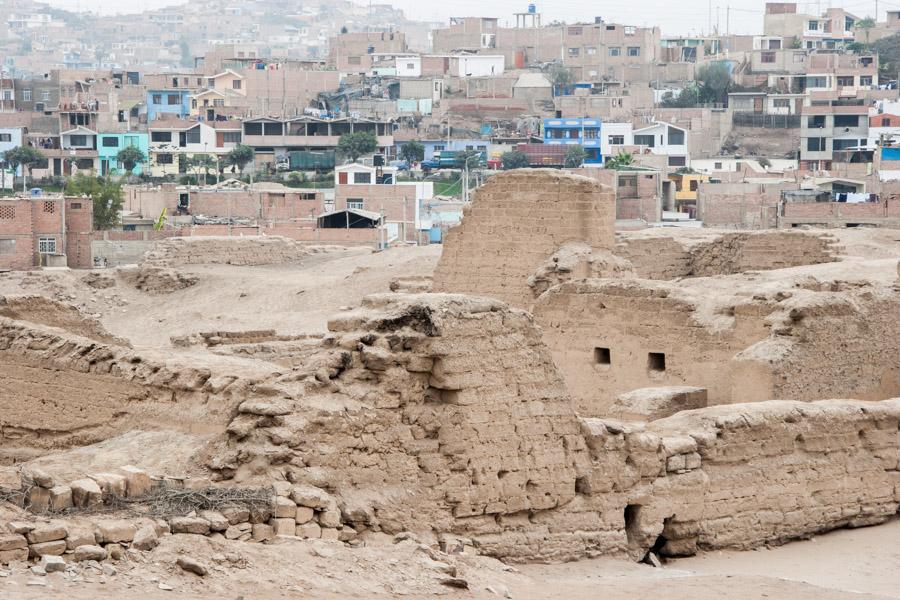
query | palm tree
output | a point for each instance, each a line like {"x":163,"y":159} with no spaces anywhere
{"x":621,"y":160}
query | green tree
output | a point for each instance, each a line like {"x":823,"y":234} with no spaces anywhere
{"x":354,"y":145}
{"x":240,"y":156}
{"x":688,"y":98}
{"x":865,"y":25}
{"x":560,"y":76}
{"x":106,"y":194}
{"x":202,"y":163}
{"x":412,"y":151}
{"x":714,"y":81}
{"x":575,"y":156}
{"x":622,"y":160}
{"x":130,"y":157}
{"x":514,"y":160}
{"x":25,"y":157}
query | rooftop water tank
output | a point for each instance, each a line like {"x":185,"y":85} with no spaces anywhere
{"x":532,"y":8}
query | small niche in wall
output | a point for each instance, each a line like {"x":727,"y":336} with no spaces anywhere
{"x":656,"y":361}
{"x":602,"y":356}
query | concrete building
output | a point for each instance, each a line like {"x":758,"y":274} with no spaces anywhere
{"x":376,"y":190}
{"x":353,"y":52}
{"x":584,"y":132}
{"x":829,"y":129}
{"x":276,"y":137}
{"x":10,"y":137}
{"x":109,"y":146}
{"x":832,"y":29}
{"x":173,"y":141}
{"x":45,"y":230}
{"x":174,"y":102}
{"x":664,"y":139}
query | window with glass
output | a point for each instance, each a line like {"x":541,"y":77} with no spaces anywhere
{"x":47,"y":245}
{"x":634,"y":51}
{"x":816,"y":144}
{"x":110,"y":142}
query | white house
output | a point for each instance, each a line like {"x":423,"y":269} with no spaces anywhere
{"x":613,"y":136}
{"x":409,"y":65}
{"x":476,"y":65}
{"x":171,"y":138}
{"x":10,"y":137}
{"x":664,"y":139}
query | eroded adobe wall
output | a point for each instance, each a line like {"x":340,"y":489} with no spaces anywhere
{"x":60,"y":390}
{"x":249,"y":250}
{"x":692,"y":254}
{"x":584,"y":321}
{"x":801,"y":344}
{"x":516,"y":221}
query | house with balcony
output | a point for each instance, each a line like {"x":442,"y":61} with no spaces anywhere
{"x":829,"y":30}
{"x":77,"y":151}
{"x":174,"y":102}
{"x":276,"y":137}
{"x":664,"y":139}
{"x":111,"y":143}
{"x":174,"y":141}
{"x":834,"y":131}
{"x":584,"y":132}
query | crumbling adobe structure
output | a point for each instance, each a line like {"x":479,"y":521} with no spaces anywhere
{"x":516,"y":221}
{"x":446,"y":413}
{"x":239,"y":251}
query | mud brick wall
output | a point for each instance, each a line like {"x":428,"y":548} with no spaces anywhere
{"x":242,"y":251}
{"x":515,"y":222}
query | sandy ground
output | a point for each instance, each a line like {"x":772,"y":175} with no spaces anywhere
{"x":861,"y":564}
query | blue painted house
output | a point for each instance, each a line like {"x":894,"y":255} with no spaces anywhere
{"x":173,"y":102}
{"x":584,"y":132}
{"x":109,"y":144}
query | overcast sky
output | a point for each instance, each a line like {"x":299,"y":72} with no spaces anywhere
{"x":675,"y":17}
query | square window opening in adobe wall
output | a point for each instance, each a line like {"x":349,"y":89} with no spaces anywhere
{"x":656,"y":361}
{"x":602,"y":356}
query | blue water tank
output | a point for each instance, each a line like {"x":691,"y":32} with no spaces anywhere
{"x":532,"y":8}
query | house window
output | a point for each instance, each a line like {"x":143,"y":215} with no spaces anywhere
{"x":815,"y":144}
{"x":75,"y":206}
{"x":865,"y":80}
{"x":610,"y":27}
{"x":845,"y":80}
{"x":781,"y":103}
{"x":231,"y":137}
{"x":110,"y":142}
{"x":591,"y":51}
{"x":164,"y":159}
{"x":26,"y":95}
{"x":199,"y":81}
{"x":817,"y":122}
{"x":844,"y":144}
{"x":438,"y":148}
{"x":7,"y":246}
{"x":617,"y":140}
{"x":219,"y":102}
{"x":5,"y":137}
{"x":717,"y":166}
{"x":634,"y":51}
{"x":645,"y":140}
{"x":885,"y":122}
{"x":157,"y":98}
{"x":410,"y":66}
{"x":7,"y":94}
{"x":602,"y":356}
{"x":656,"y":361}
{"x":355,"y":203}
{"x":767,"y":57}
{"x":362,"y":178}
{"x":676,"y":137}
{"x":78,"y":140}
{"x":575,"y":30}
{"x":173,"y":99}
{"x":253,"y":128}
{"x":194,"y":103}
{"x":846,"y":120}
{"x":615,"y":51}
{"x":813,"y":25}
{"x":45,"y":95}
{"x":272,"y":129}
{"x":677,"y":161}
{"x":160,"y":136}
{"x":192,"y":136}
{"x":47,"y":245}
{"x":573,"y":52}
{"x":236,"y":84}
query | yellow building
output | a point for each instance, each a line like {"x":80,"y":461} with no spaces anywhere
{"x":686,"y":186}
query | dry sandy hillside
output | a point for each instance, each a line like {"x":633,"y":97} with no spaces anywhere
{"x":178,"y":318}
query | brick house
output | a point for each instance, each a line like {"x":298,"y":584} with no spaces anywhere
{"x":45,"y":230}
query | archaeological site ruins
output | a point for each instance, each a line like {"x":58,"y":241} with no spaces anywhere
{"x":543,"y":388}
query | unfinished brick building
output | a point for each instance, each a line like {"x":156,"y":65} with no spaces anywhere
{"x":46,"y":230}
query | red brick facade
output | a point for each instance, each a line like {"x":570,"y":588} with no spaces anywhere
{"x":30,"y":227}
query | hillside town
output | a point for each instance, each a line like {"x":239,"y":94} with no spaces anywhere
{"x":317,"y":300}
{"x":795,"y":126}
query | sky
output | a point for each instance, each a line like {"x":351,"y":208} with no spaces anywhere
{"x":675,"y":17}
